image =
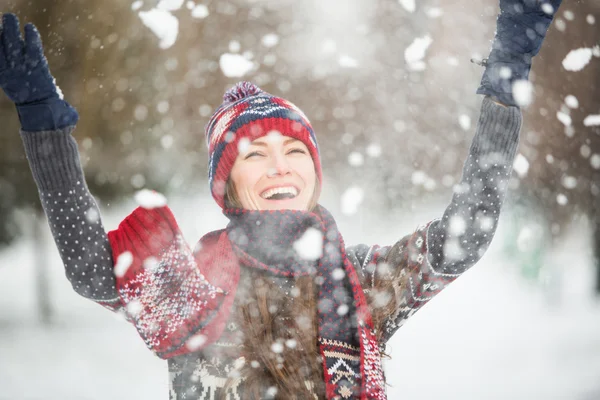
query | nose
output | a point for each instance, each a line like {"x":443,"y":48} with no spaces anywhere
{"x":279,"y":166}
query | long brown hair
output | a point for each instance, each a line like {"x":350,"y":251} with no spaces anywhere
{"x":280,"y":348}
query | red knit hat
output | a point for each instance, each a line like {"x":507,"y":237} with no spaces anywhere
{"x":248,"y":112}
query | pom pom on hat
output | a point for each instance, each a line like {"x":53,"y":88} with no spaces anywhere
{"x":240,"y":91}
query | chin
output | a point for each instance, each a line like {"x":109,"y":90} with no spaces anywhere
{"x":283,"y":205}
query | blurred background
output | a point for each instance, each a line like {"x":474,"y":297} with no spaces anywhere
{"x":390,"y":90}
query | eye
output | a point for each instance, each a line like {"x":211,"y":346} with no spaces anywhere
{"x":252,"y":154}
{"x":301,"y":151}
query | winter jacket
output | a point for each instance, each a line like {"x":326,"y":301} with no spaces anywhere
{"x":445,"y":249}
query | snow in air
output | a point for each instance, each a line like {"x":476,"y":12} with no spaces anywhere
{"x":464,"y":121}
{"x":170,"y":5}
{"x":136,"y":5}
{"x":92,"y":215}
{"x":310,"y":245}
{"x":351,"y":199}
{"x":200,"y":11}
{"x":277,"y":347}
{"x":195,"y":342}
{"x":595,"y":161}
{"x":521,"y":165}
{"x":270,"y":40}
{"x":592,"y":120}
{"x":374,"y":150}
{"x":356,"y":159}
{"x":522,"y":92}
{"x":564,"y":118}
{"x":571,"y":101}
{"x":235,"y":65}
{"x":123,"y":263}
{"x":409,"y":5}
{"x":415,"y":52}
{"x":577,"y":59}
{"x":150,"y":199}
{"x":163,"y":24}
{"x":346,"y":61}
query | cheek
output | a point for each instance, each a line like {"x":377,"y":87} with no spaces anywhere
{"x":306,"y":169}
{"x":245,"y":179}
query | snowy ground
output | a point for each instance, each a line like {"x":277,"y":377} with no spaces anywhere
{"x":490,"y":335}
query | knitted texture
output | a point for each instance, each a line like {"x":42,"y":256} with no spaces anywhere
{"x":248,"y":113}
{"x":276,"y":242}
{"x":164,"y":291}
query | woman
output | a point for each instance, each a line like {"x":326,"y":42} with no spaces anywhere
{"x":274,"y":305}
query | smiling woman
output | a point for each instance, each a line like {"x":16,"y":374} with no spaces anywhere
{"x":274,"y":305}
{"x":275,"y":172}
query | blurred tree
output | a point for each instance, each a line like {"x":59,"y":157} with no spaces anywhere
{"x":563,"y":177}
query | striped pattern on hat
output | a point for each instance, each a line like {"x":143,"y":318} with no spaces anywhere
{"x":249,"y":112}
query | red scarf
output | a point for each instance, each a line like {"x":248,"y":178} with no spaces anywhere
{"x":191,"y":313}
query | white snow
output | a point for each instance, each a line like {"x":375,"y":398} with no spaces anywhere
{"x":592,"y":120}
{"x":234,"y":46}
{"x":409,"y":5}
{"x":200,"y":11}
{"x":521,"y":165}
{"x":170,"y":5}
{"x":235,"y":65}
{"x":434,"y":12}
{"x":136,"y":5}
{"x":356,"y":159}
{"x":569,"y":182}
{"x":577,"y":59}
{"x":564,"y":118}
{"x":547,"y":8}
{"x":346,"y":61}
{"x":150,"y":199}
{"x":562,"y":199}
{"x":92,"y":215}
{"x":418,"y":177}
{"x":522,"y":92}
{"x":415,"y":52}
{"x":310,"y":245}
{"x":277,"y":347}
{"x":270,"y":40}
{"x":569,"y":16}
{"x":351,"y":199}
{"x":374,"y":150}
{"x":595,"y":161}
{"x":124,"y":261}
{"x":243,"y":145}
{"x":196,"y":342}
{"x":457,"y":225}
{"x":571,"y":101}
{"x":464,"y":121}
{"x":163,"y":24}
{"x":590,"y":19}
{"x":338,"y":274}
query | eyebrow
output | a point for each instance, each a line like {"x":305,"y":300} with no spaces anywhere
{"x":263,"y":144}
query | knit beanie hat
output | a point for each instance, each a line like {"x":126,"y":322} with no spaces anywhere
{"x":246,"y":114}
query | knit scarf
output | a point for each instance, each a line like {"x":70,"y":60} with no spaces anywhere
{"x":289,"y":243}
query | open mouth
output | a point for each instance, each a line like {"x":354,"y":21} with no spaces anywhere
{"x":280,"y":193}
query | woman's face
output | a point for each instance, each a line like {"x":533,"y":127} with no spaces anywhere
{"x":274,"y":172}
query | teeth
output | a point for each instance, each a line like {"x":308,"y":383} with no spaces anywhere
{"x":287,"y":189}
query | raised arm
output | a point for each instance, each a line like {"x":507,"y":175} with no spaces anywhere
{"x":47,"y":122}
{"x":402,"y":278}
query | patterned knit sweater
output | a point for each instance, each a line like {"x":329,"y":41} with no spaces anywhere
{"x":427,"y":260}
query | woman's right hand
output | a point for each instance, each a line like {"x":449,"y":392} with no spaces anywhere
{"x":25,"y":78}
